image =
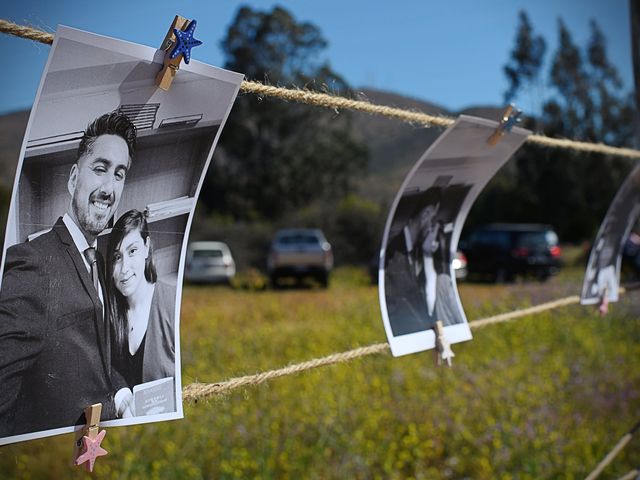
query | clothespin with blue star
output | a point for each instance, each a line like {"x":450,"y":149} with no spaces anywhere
{"x":510,"y":118}
{"x":184,"y":42}
{"x":177,"y":45}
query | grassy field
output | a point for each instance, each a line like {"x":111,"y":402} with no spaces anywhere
{"x":543,"y":397}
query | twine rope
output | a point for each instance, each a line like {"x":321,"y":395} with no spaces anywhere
{"x":508,"y":316}
{"x":198,"y":391}
{"x":631,"y":475}
{"x":202,"y":391}
{"x":24,"y":31}
{"x":626,"y":438}
{"x":336,"y":103}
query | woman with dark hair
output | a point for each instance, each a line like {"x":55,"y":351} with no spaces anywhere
{"x":141,"y":308}
{"x":424,"y":238}
{"x":427,"y":251}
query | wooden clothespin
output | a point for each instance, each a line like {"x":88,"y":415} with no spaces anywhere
{"x":88,"y":439}
{"x":177,"y":45}
{"x":443,"y":347}
{"x":510,"y":117}
{"x":603,"y":308}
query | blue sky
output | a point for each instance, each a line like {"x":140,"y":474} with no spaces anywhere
{"x":447,"y":52}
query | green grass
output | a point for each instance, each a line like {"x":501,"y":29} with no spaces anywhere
{"x":542,"y":397}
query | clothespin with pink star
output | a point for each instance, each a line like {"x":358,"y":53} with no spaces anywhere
{"x":603,"y":308}
{"x":88,"y":446}
{"x":177,"y":45}
{"x":443,"y":352}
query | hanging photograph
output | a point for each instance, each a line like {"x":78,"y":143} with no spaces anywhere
{"x":104,"y":195}
{"x":416,"y":278}
{"x":602,"y":277}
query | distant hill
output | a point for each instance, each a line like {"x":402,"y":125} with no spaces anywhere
{"x":394,"y":146}
{"x":12,"y":128}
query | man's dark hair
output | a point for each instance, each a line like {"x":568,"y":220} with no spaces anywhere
{"x":112,"y":123}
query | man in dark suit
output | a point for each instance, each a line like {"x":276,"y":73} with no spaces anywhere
{"x":54,"y":334}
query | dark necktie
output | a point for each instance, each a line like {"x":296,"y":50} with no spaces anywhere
{"x":90,"y":255}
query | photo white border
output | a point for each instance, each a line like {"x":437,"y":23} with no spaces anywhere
{"x":626,"y":197}
{"x":425,"y":340}
{"x":149,"y":54}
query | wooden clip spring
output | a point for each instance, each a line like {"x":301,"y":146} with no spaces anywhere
{"x":603,"y":308}
{"x":88,"y":439}
{"x":165,"y":77}
{"x":510,"y":117}
{"x":443,"y":347}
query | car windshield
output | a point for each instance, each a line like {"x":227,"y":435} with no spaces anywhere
{"x":207,"y":253}
{"x":536,"y":239}
{"x":298,"y":239}
{"x":491,"y":238}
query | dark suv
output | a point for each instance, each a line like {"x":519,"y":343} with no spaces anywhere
{"x":503,"y":251}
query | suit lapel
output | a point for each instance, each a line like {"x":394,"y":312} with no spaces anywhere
{"x":104,"y":309}
{"x":85,"y":278}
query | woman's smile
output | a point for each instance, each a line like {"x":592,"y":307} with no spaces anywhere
{"x":129,"y":262}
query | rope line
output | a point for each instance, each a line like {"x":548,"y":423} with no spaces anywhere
{"x":336,"y":102}
{"x":198,"y":391}
{"x":631,"y":475}
{"x":567,"y":144}
{"x":506,"y":317}
{"x":626,"y":438}
{"x":25,"y":32}
{"x":201,"y":391}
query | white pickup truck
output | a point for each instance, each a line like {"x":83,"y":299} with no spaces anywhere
{"x":300,"y":253}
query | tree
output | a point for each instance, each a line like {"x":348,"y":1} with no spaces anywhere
{"x":567,"y":189}
{"x":526,"y":58}
{"x":352,"y":224}
{"x":635,"y":52}
{"x":591,"y":104}
{"x":274,"y":46}
{"x":274,"y":156}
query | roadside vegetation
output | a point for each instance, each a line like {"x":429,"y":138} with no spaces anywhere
{"x":543,"y":397}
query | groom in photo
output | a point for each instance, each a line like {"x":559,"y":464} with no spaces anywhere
{"x":55,"y":346}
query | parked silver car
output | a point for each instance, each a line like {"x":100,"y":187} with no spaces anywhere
{"x":299,"y":253}
{"x":209,"y":262}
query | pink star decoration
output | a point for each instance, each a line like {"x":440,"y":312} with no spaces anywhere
{"x":91,"y":450}
{"x":603,"y":308}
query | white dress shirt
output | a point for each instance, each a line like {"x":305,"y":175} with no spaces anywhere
{"x":81,"y":244}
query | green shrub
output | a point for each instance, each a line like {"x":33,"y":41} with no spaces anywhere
{"x":250,"y":279}
{"x":543,"y":397}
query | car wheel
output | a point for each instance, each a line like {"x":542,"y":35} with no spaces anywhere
{"x":324,"y":280}
{"x":543,"y":276}
{"x":503,"y":276}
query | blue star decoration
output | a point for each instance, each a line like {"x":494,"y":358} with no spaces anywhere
{"x":185,"y":42}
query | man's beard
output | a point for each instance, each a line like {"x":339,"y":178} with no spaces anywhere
{"x":88,"y":223}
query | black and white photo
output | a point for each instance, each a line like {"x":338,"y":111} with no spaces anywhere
{"x":416,"y":278}
{"x":602,"y":277}
{"x":104,"y":195}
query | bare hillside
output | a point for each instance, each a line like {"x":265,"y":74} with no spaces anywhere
{"x":12,"y":127}
{"x":394,"y":146}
